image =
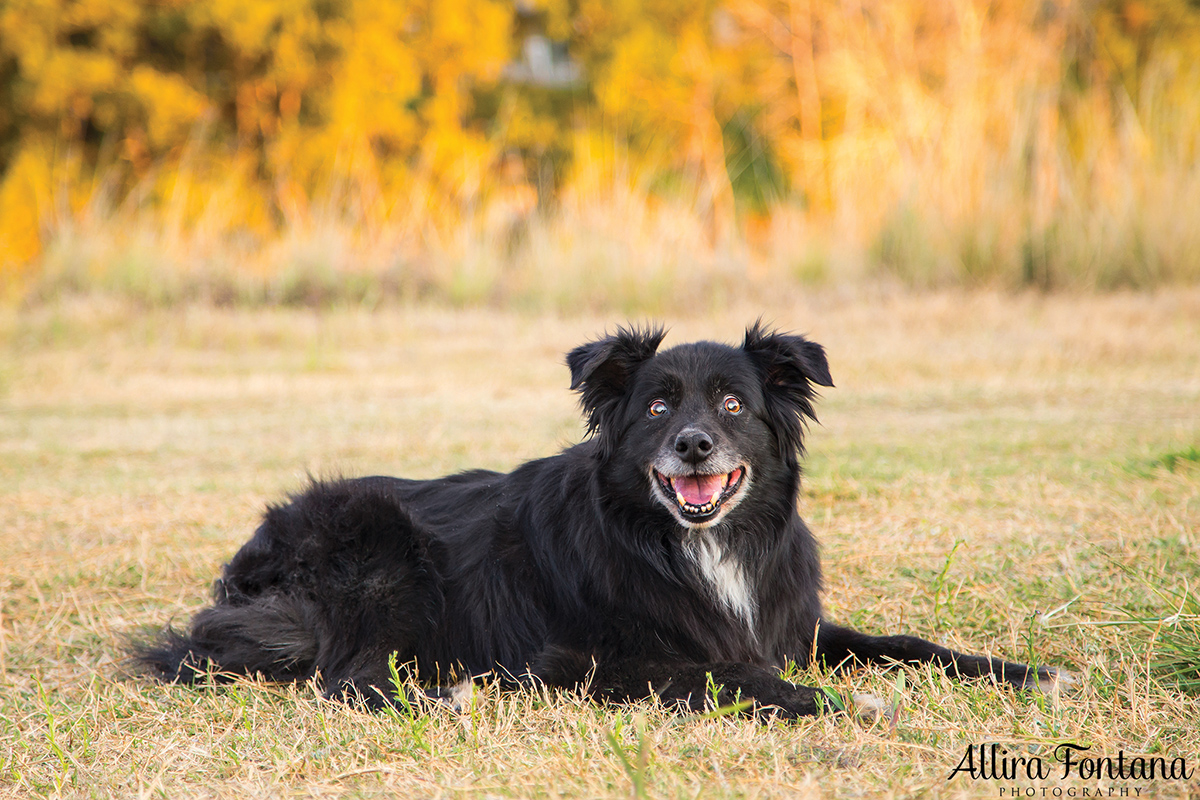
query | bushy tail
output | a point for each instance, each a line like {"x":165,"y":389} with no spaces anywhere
{"x":273,"y":636}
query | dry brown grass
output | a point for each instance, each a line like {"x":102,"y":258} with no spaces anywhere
{"x":138,"y":447}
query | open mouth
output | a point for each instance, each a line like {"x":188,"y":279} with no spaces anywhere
{"x":700,"y":496}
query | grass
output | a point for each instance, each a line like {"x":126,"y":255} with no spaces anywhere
{"x":970,"y":482}
{"x":1175,"y":652}
{"x":1169,"y":461}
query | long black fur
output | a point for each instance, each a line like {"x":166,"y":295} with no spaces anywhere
{"x":568,"y":569}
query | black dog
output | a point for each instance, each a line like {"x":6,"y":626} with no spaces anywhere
{"x":663,"y":556}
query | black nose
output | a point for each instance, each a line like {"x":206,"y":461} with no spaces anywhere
{"x":693,"y":445}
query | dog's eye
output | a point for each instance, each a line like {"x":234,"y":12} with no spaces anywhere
{"x":732,"y":404}
{"x":658,"y":408}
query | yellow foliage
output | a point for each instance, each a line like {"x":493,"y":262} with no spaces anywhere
{"x":172,"y":106}
{"x":957,"y":137}
{"x":24,"y":204}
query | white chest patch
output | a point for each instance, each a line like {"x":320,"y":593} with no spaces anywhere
{"x":724,"y":574}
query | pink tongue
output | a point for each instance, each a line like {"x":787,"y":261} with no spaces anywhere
{"x":699,"y":489}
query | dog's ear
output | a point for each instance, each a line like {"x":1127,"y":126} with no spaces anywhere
{"x":789,"y":366}
{"x":601,"y":372}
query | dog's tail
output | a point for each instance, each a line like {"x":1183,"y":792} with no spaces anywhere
{"x":272,"y":636}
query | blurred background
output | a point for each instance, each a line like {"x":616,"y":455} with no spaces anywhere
{"x":630,"y":155}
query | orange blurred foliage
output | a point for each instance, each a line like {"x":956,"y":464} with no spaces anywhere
{"x":1019,"y":140}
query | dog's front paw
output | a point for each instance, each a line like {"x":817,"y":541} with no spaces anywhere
{"x":457,"y":698}
{"x":870,"y":707}
{"x":1055,"y":681}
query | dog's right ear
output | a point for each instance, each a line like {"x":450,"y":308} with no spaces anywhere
{"x":601,"y":372}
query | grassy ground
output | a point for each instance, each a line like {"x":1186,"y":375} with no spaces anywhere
{"x":997,"y":472}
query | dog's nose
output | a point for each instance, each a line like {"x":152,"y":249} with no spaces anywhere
{"x":693,"y":445}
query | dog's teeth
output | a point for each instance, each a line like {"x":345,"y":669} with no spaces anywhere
{"x":693,"y":508}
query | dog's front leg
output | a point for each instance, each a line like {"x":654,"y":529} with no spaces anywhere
{"x":696,"y":687}
{"x":706,"y":687}
{"x":838,"y":646}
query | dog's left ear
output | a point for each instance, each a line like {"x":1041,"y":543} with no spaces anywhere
{"x":789,"y":366}
{"x":601,"y":372}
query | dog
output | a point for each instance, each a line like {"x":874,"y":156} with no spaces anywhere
{"x":661,"y":557}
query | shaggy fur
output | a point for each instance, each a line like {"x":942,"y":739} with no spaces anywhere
{"x":662,"y":556}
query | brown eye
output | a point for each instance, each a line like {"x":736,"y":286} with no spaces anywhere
{"x":732,"y":405}
{"x":658,"y":408}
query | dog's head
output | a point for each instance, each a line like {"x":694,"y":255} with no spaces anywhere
{"x":702,"y":423}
